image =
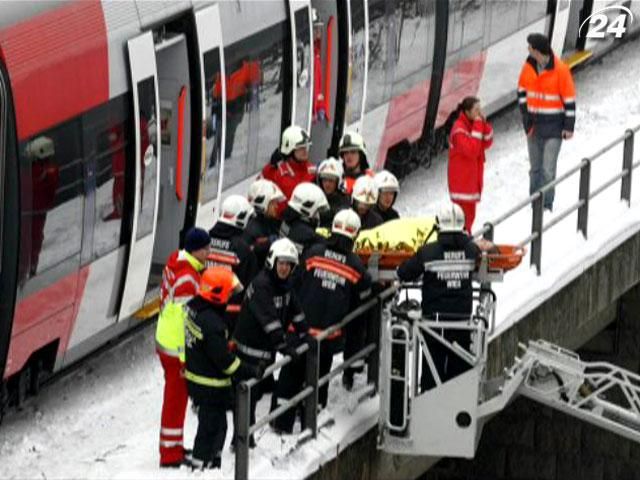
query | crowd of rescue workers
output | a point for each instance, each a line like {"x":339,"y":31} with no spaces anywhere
{"x":262,"y":281}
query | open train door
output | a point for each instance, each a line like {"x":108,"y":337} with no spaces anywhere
{"x":144,"y":82}
{"x":214,"y":107}
{"x":301,"y":21}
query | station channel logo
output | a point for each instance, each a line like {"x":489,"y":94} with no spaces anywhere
{"x":609,"y":21}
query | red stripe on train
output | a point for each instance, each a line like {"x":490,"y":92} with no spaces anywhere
{"x":58,"y":65}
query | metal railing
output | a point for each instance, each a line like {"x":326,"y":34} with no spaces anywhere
{"x":585,"y":194}
{"x":313,"y":381}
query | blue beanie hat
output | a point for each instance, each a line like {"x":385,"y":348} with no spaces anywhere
{"x":196,"y":239}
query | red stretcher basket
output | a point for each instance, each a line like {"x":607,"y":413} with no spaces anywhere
{"x":388,"y":260}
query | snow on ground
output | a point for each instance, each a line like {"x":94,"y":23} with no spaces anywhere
{"x":102,"y":419}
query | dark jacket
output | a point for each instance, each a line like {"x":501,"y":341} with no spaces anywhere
{"x":334,"y":282}
{"x":209,"y":364}
{"x":260,"y":233}
{"x":301,"y":233}
{"x":230,"y":249}
{"x":386,"y":215}
{"x":337,"y":201}
{"x":448,"y":295}
{"x":369,"y":220}
{"x":269,"y":309}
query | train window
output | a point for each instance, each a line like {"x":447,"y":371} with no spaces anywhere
{"x":148,"y":163}
{"x":355,"y":93}
{"x":213,"y":111}
{"x":466,"y":24}
{"x":504,"y":18}
{"x":532,"y":11}
{"x":380,"y":61}
{"x":108,"y":149}
{"x":52,"y":202}
{"x":415,"y":23}
{"x":303,"y":64}
{"x":254,"y":69}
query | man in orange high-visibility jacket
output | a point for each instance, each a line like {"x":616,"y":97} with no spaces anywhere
{"x":547,"y":100}
{"x":180,"y":281}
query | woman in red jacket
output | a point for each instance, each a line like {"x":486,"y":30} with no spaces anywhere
{"x":470,"y":136}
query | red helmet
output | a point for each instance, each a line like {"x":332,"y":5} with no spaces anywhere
{"x":217,"y":284}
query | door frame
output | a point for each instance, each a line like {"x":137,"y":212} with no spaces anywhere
{"x":294,"y":7}
{"x":142,"y":67}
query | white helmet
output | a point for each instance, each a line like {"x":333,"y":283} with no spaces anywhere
{"x":365,"y":190}
{"x":294,"y":137}
{"x":347,"y":223}
{"x":262,"y":192}
{"x":40,"y":148}
{"x":282,"y":249}
{"x":330,"y":168}
{"x":308,"y":200}
{"x":386,"y":182}
{"x":450,"y":218}
{"x":236,"y":211}
{"x":351,"y":141}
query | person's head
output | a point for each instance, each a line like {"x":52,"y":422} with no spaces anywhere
{"x":295,"y":143}
{"x":218,"y":284}
{"x":471,"y":107}
{"x":364,"y":194}
{"x":346,"y":223}
{"x":282,"y":258}
{"x":450,"y":218}
{"x":196,"y":242}
{"x":308,"y":200}
{"x":236,"y":211}
{"x":265,"y":197}
{"x":388,"y":188}
{"x":353,"y":151}
{"x":539,"y":47}
{"x":330,"y":173}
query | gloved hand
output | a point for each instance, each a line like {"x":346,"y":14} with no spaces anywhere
{"x":290,"y":350}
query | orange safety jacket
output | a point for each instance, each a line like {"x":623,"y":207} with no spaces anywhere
{"x":547,"y":98}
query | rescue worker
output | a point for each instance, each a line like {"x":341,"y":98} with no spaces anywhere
{"x":210,"y":365}
{"x":302,"y":216}
{"x":388,"y":189}
{"x":334,"y":283}
{"x":445,"y":297}
{"x":180,"y":280}
{"x":547,"y":99}
{"x":470,"y":136}
{"x":330,"y":179}
{"x":264,"y":228}
{"x":269,"y":310}
{"x":363,"y":198}
{"x":290,"y":165}
{"x":353,"y":153}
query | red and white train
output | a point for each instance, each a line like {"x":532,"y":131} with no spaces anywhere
{"x":117,"y":133}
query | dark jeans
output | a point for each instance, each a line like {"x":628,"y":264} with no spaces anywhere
{"x":543,"y":159}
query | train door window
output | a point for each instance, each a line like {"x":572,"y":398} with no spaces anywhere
{"x":415,"y":20}
{"x":52,"y":203}
{"x":531,"y":11}
{"x":148,"y":155}
{"x":466,"y":24}
{"x":380,"y":54}
{"x":303,"y":63}
{"x":255,"y":79}
{"x":213,"y":112}
{"x":108,"y":150}
{"x":504,"y":18}
{"x":358,"y":65}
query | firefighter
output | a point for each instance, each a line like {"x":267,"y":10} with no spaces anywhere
{"x":269,"y":310}
{"x":388,"y":189}
{"x":334,"y":282}
{"x":547,"y":99}
{"x":444,"y":297}
{"x":180,"y":280}
{"x":302,"y":216}
{"x":210,"y":366}
{"x":353,"y":153}
{"x":264,"y":228}
{"x":470,"y":136}
{"x":290,"y":165}
{"x":329,"y":178}
{"x":363,"y":198}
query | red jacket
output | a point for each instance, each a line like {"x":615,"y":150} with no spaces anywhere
{"x":180,"y":278}
{"x":467,"y":143}
{"x":288,"y":173}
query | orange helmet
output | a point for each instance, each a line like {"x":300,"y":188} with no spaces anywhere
{"x":217,"y":284}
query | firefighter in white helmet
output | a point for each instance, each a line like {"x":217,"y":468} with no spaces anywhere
{"x":363,"y":198}
{"x":302,"y":216}
{"x":353,"y":153}
{"x":329,"y":177}
{"x":388,"y":189}
{"x":264,"y":228}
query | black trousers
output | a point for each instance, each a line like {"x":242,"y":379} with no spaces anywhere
{"x":327,"y":350}
{"x":356,"y":335}
{"x":212,"y":431}
{"x":290,"y":382}
{"x":448,"y":364}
